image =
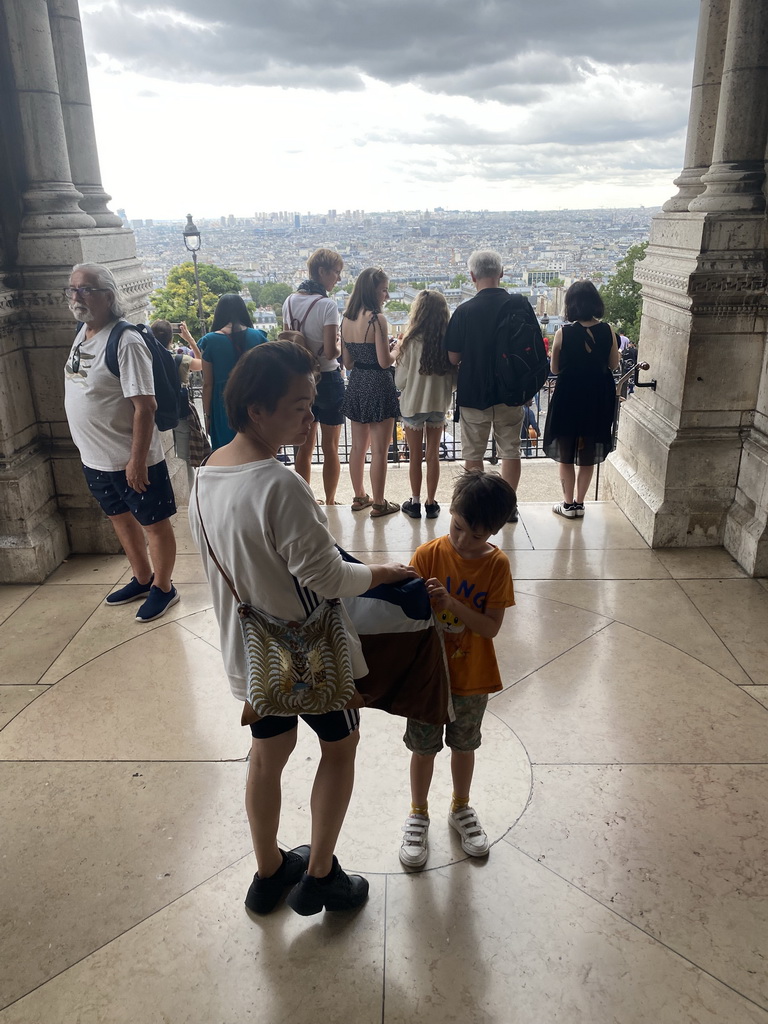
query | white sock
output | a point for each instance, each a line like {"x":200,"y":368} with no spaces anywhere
{"x":415,"y":499}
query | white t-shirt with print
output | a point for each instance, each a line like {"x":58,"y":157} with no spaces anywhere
{"x":98,"y":404}
{"x":324,"y":312}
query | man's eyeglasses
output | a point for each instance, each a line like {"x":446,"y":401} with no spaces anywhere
{"x":84,"y":292}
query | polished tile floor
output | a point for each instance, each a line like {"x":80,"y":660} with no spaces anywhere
{"x":623,"y":781}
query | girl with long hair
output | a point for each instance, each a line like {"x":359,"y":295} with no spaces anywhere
{"x":426,"y":380}
{"x":231,"y":336}
{"x":370,"y":401}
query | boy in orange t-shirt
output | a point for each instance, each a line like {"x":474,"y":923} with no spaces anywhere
{"x":470,"y":585}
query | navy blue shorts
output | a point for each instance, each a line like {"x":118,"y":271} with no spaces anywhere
{"x":329,"y":399}
{"x":112,"y":492}
{"x":331,"y":727}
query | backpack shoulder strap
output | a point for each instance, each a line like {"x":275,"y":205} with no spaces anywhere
{"x":310,"y":307}
{"x":110,"y":355}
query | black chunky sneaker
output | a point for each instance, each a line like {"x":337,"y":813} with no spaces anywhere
{"x":339,"y":891}
{"x":265,"y":893}
{"x":411,"y":508}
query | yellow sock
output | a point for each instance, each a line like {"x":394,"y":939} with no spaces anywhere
{"x":458,"y":802}
{"x":423,"y":811}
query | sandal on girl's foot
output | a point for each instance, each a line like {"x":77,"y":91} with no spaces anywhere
{"x":384,"y":510}
{"x":358,"y":504}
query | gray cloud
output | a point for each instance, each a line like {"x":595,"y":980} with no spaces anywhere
{"x":499,"y":49}
{"x":558,"y":115}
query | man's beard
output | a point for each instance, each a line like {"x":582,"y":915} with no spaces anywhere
{"x":81,"y":313}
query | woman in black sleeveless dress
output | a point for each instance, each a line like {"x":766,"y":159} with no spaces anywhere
{"x":579,"y":427}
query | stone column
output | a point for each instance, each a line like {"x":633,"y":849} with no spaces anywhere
{"x":72,"y":73}
{"x":705,"y":97}
{"x":735,"y":179}
{"x":692,"y":457}
{"x":51,"y":201}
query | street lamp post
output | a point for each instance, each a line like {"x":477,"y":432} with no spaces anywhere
{"x":192,"y":243}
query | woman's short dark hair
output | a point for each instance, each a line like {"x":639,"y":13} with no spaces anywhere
{"x":364,"y":293}
{"x":583,"y":302}
{"x":163,"y":331}
{"x":231,"y":309}
{"x":483,"y":500}
{"x":262,"y":377}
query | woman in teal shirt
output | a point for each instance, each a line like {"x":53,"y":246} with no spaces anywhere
{"x":233,"y":334}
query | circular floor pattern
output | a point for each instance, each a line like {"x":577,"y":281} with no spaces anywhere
{"x":371,"y":836}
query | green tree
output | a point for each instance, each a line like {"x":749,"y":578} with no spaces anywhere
{"x":459,"y":280}
{"x":419,"y":285}
{"x":396,"y":306}
{"x":275,"y":294}
{"x":177,"y":301}
{"x":621,"y":294}
{"x":556,"y":282}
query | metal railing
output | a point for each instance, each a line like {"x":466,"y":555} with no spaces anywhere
{"x":450,"y":445}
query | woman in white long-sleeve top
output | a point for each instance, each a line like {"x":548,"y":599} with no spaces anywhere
{"x":267,"y":530}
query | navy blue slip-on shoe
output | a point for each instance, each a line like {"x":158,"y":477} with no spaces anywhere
{"x":432,"y":509}
{"x":265,"y":893}
{"x":157,"y":603}
{"x":130,"y":592}
{"x":340,"y":892}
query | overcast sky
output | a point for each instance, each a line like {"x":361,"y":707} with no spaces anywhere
{"x":235,"y":106}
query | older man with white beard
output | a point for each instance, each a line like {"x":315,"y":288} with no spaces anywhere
{"x":112,"y":422}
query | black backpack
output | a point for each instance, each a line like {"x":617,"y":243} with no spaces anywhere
{"x":168,"y":393}
{"x":520,"y":364}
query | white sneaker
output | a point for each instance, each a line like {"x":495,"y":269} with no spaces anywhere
{"x":474,"y":841}
{"x":413,"y":849}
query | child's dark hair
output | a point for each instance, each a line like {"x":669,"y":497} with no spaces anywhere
{"x":262,"y":377}
{"x":163,"y":331}
{"x":483,"y":500}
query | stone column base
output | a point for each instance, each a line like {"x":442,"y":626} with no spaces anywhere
{"x":746,"y":526}
{"x":34,"y":538}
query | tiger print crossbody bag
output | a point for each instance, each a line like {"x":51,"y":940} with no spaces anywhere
{"x":294,"y":668}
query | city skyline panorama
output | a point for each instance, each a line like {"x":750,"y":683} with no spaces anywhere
{"x":394,"y":106}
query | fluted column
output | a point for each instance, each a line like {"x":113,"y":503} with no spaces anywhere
{"x":72,"y":74}
{"x":705,"y":98}
{"x":734,"y":182}
{"x":50,"y":198}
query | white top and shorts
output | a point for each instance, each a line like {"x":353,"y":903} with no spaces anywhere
{"x":100,"y":415}
{"x":315,"y":313}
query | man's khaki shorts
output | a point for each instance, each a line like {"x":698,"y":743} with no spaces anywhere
{"x":476,"y":426}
